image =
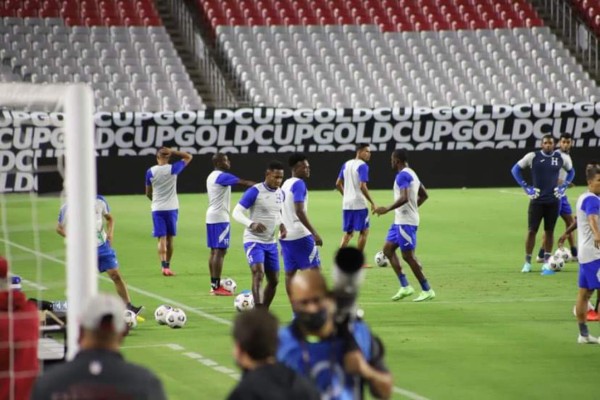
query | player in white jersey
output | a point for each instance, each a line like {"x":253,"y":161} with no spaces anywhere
{"x":161,"y":188}
{"x":352,"y":184}
{"x":107,"y":258}
{"x":218,"y":229}
{"x":299,"y":247}
{"x":409,"y":194}
{"x":588,"y":238}
{"x":263,"y":202}
{"x":564,"y":210}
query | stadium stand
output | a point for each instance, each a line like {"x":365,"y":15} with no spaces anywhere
{"x":120,"y":48}
{"x":352,"y":53}
{"x":590,"y":13}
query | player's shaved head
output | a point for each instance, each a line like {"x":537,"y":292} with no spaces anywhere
{"x":219,"y":159}
{"x":401,"y":155}
{"x":163,"y":153}
{"x":591,"y":171}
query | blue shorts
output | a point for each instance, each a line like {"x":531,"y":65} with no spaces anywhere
{"x":217,"y":235}
{"x":589,"y":275}
{"x":107,"y":258}
{"x":405,"y":236}
{"x":165,"y":223}
{"x":262,"y":253}
{"x":564,"y":208}
{"x":300,"y":254}
{"x":355,"y":220}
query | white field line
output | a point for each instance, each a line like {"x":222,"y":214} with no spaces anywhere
{"x":194,"y":356}
{"x":34,"y":285}
{"x":504,"y":191}
{"x":166,"y":300}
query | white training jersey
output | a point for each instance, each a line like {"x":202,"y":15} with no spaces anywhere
{"x":218,"y":188}
{"x":265,"y":206}
{"x":101,"y":209}
{"x":587,"y":204}
{"x":562,"y":174}
{"x":407,"y":214}
{"x":294,"y":190}
{"x":163,"y":179}
{"x":353,"y":173}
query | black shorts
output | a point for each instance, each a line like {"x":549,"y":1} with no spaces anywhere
{"x":546,"y":211}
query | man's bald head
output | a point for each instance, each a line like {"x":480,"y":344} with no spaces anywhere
{"x":308,"y":280}
{"x":220,"y":161}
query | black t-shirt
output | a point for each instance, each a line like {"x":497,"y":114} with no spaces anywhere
{"x":276,"y":382}
{"x":98,"y":375}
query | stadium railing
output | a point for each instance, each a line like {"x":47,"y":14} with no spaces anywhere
{"x":575,"y":32}
{"x":184,"y":13}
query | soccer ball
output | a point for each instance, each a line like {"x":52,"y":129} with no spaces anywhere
{"x":556,"y":263}
{"x":564,"y":253}
{"x":381,"y":259}
{"x":176,"y":318}
{"x":229,"y":285}
{"x":160,"y":314}
{"x":244,"y":301}
{"x":589,"y":308}
{"x":130,"y":319}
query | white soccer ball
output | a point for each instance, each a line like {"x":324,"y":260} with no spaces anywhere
{"x":228,"y":284}
{"x":564,"y":253}
{"x":160,"y":314}
{"x":381,"y":260}
{"x":590,"y":307}
{"x":130,"y":319}
{"x":244,"y":301}
{"x":176,"y":318}
{"x":556,"y":263}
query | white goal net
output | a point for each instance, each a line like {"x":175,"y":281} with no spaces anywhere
{"x":53,"y":123}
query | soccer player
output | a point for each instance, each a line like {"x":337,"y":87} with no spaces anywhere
{"x":409,"y":194}
{"x":299,"y":247}
{"x":107,"y":258}
{"x":218,"y":187}
{"x":263,"y":202}
{"x":564,"y":146}
{"x":352,"y":184}
{"x":588,"y":238}
{"x":545,"y":194}
{"x":161,"y":188}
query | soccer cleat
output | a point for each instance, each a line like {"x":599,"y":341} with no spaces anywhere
{"x":539,"y":260}
{"x":592,"y":315}
{"x":425,"y":295}
{"x":587,"y":339}
{"x":526,"y":267}
{"x":546,"y":270}
{"x":168,"y":272}
{"x":136,"y":310}
{"x":221,"y":291}
{"x":403,"y":292}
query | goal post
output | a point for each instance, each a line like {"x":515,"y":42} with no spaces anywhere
{"x":76,"y":102}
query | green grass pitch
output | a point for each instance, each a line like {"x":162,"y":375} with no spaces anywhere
{"x":491,"y":333}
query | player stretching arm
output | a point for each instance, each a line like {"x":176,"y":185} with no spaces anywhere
{"x":218,"y":228}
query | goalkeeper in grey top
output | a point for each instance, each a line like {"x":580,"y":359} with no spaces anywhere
{"x":545,"y":193}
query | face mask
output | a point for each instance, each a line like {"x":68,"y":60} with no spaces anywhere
{"x":312,"y":322}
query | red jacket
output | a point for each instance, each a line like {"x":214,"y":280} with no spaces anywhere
{"x":24,"y":320}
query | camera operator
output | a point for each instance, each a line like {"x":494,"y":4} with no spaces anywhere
{"x":338,"y":357}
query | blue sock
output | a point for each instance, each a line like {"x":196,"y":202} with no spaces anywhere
{"x":425,"y":285}
{"x":547,"y":256}
{"x":574,"y":251}
{"x":403,"y":280}
{"x":528,"y":258}
{"x":165,"y":264}
{"x":583,"y":329}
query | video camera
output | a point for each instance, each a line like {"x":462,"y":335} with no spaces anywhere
{"x":347,"y":278}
